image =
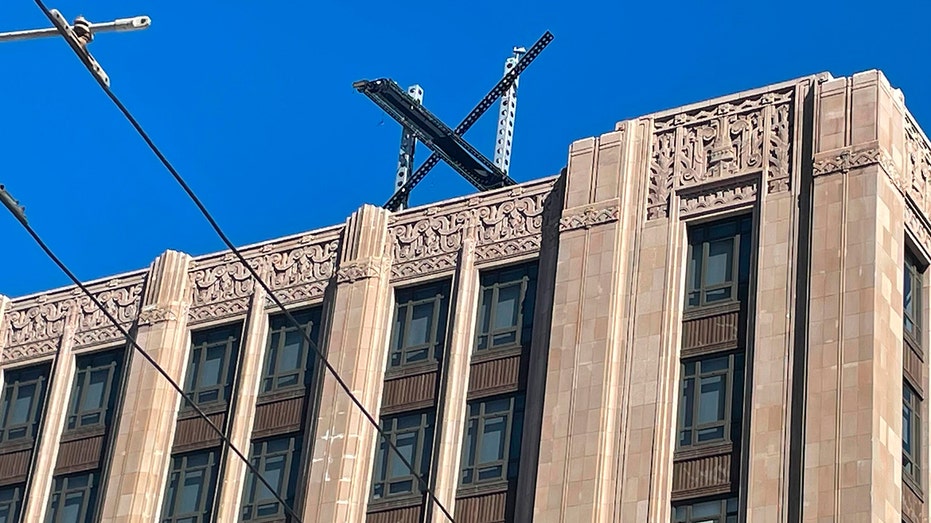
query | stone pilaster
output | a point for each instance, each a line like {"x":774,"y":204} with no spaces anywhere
{"x":240,"y":435}
{"x":53,"y":422}
{"x":138,"y":471}
{"x":853,"y":425}
{"x":356,"y":343}
{"x":579,"y":444}
{"x":452,"y":401}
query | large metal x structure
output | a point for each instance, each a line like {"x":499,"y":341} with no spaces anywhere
{"x":447,"y":144}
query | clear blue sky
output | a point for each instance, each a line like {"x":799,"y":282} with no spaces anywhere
{"x":253,"y":103}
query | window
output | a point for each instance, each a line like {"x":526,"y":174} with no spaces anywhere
{"x":911,"y":300}
{"x":412,"y":433}
{"x":23,"y":397}
{"x":192,"y":484}
{"x":210,"y":373}
{"x":715,"y":511}
{"x":718,"y":261}
{"x":11,"y":502}
{"x":505,"y":310}
{"x":289,"y":358}
{"x":711,"y":401}
{"x":911,"y":434}
{"x":73,"y":499}
{"x":419,"y":325}
{"x":96,"y":380}
{"x":491,"y":450}
{"x":277,"y":460}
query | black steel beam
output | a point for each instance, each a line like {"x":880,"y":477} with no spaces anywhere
{"x":503,"y":85}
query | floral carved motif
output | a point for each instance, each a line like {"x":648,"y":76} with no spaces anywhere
{"x":296,"y":269}
{"x":918,"y":228}
{"x":718,"y":142}
{"x":588,"y":218}
{"x":503,"y":223}
{"x":34,"y":326}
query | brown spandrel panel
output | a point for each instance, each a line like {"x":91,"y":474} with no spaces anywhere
{"x":279,"y":416}
{"x":14,"y":466}
{"x":196,"y":432}
{"x":702,"y":476}
{"x":494,"y":376}
{"x":710,"y":332}
{"x":409,"y":392}
{"x":912,"y":505}
{"x":912,"y":364}
{"x":493,"y":507}
{"x":80,"y":454}
{"x":396,"y":515}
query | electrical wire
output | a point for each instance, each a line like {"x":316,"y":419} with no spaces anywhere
{"x":216,"y":227}
{"x":132,"y":340}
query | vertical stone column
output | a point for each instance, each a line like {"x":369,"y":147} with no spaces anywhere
{"x":357,"y":343}
{"x":853,"y":425}
{"x":53,"y":422}
{"x":136,"y":482}
{"x":588,"y":349}
{"x":452,"y":400}
{"x":250,"y":376}
{"x":773,"y":334}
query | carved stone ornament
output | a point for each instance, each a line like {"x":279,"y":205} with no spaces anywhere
{"x":35,"y":325}
{"x":503,"y":223}
{"x":721,"y":141}
{"x":919,"y":228}
{"x":296,"y":269}
{"x":843,"y":160}
{"x":151,"y":315}
{"x":358,"y":270}
{"x":588,"y":217}
{"x":717,"y":198}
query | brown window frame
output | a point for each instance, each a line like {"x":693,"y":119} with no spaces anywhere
{"x":734,"y":379}
{"x":728,"y":511}
{"x":85,"y":367}
{"x":259,"y":457}
{"x":62,"y":492}
{"x":407,"y":300}
{"x":425,"y":430}
{"x":477,"y":417}
{"x":279,"y":329}
{"x":492,"y":282}
{"x":701,"y":236}
{"x":201,"y":343}
{"x":14,"y":381}
{"x":178,"y":472}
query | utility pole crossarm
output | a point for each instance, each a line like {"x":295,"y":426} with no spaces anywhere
{"x":120,"y":24}
{"x":79,"y":35}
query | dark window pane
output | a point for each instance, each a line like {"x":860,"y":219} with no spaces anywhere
{"x":711,"y":402}
{"x":412,"y":434}
{"x":191,"y":487}
{"x":506,"y":308}
{"x":22,"y":405}
{"x":720,"y":262}
{"x":213,"y":353}
{"x":723,"y":293}
{"x":419,"y":324}
{"x":491,"y":449}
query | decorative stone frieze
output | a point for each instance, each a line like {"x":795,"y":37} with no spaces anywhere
{"x":718,"y":197}
{"x":504,"y":223}
{"x":297,"y":269}
{"x":719,"y":141}
{"x":35,"y":325}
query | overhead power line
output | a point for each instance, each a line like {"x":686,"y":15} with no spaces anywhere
{"x":19,"y":213}
{"x":229,"y":244}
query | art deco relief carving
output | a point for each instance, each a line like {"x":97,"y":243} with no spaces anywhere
{"x":843,"y":160}
{"x":34,"y":326}
{"x":359,"y":270}
{"x":588,"y":217}
{"x":718,"y":198}
{"x":504,"y":223}
{"x":296,"y":269}
{"x":719,"y":142}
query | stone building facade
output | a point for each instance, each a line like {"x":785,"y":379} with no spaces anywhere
{"x":714,"y":313}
